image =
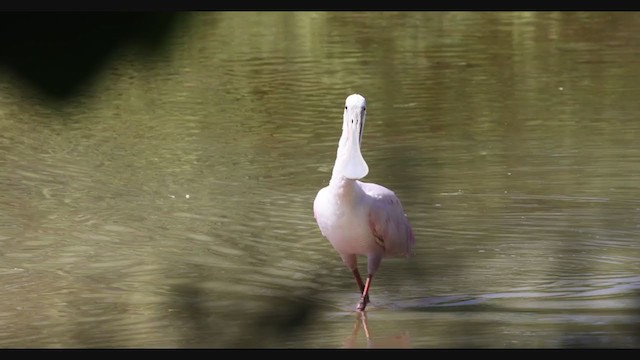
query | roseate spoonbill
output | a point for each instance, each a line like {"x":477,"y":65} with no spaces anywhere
{"x":360,"y":218}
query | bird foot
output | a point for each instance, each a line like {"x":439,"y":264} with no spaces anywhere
{"x":362,"y":304}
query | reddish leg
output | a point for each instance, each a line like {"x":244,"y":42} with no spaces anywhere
{"x":361,"y":286}
{"x":364,"y":300}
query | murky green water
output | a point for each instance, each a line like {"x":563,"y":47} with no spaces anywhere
{"x":171,"y":205}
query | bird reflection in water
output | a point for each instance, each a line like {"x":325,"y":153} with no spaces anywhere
{"x":396,"y":341}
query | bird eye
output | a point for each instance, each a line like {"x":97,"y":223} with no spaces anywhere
{"x":345,"y":108}
{"x":364,"y":108}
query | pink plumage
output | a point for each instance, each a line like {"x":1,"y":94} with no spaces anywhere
{"x":358,"y":218}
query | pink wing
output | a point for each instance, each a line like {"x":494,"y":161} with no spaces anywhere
{"x":388,"y":222}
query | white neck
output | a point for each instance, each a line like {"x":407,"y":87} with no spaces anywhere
{"x":349,"y":161}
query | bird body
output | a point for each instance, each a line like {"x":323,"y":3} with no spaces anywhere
{"x":360,"y":218}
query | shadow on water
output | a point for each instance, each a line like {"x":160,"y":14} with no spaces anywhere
{"x":208,"y":322}
{"x":59,"y":54}
{"x":286,"y":319}
{"x":190,"y":300}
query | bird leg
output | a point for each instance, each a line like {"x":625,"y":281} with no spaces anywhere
{"x":364,"y":300}
{"x":361,"y":286}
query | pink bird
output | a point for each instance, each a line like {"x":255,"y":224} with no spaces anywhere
{"x":360,"y":218}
